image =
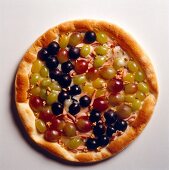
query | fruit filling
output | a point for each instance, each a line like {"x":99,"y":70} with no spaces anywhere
{"x":85,"y":91}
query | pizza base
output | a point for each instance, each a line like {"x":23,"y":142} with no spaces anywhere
{"x":22,"y":85}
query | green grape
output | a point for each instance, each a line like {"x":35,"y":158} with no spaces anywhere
{"x":69,"y":130}
{"x":132,"y":66}
{"x":35,"y":78}
{"x":129,"y":78}
{"x":52,"y":97}
{"x":85,"y":50}
{"x":43,"y":93}
{"x":40,"y":126}
{"x":63,"y":41}
{"x":45,"y":82}
{"x":143,"y":87}
{"x":136,"y":104}
{"x":99,"y":61}
{"x":107,"y":72}
{"x":119,"y":62}
{"x":89,"y":89}
{"x":130,"y":88}
{"x":35,"y":91}
{"x":44,"y":72}
{"x":74,"y":143}
{"x":116,"y":99}
{"x":101,"y":50}
{"x":98,"y":83}
{"x":101,"y":37}
{"x":79,"y":79}
{"x":54,"y":86}
{"x":140,"y":96}
{"x":100,"y":92}
{"x":75,"y":39}
{"x":139,"y":76}
{"x":129,"y":98}
{"x":124,"y":111}
{"x":36,"y":67}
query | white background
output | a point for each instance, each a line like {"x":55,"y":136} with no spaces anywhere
{"x":21,"y":22}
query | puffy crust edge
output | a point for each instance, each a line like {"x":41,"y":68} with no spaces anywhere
{"x":22,"y":85}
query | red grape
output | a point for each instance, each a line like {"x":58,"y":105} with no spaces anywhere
{"x":100,"y":104}
{"x":115,"y":85}
{"x":52,"y":135}
{"x":46,"y":116}
{"x":57,"y":124}
{"x":92,"y":74}
{"x":81,"y":66}
{"x":36,"y":103}
{"x":83,"y":124}
{"x":62,"y":56}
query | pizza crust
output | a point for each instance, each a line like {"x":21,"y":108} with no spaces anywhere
{"x":22,"y":85}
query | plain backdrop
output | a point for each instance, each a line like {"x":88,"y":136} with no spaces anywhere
{"x":22,"y":22}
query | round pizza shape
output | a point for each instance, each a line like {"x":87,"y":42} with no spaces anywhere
{"x":85,"y":90}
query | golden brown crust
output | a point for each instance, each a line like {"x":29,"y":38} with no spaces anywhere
{"x":129,"y":45}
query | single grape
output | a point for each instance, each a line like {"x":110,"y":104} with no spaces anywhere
{"x":100,"y":104}
{"x":101,"y":50}
{"x":63,"y":95}
{"x":129,"y":98}
{"x":57,"y":108}
{"x":45,"y":82}
{"x":116,"y":99}
{"x":43,"y":93}
{"x":132,"y":66}
{"x":119,"y":62}
{"x":143,"y":87}
{"x":130,"y":88}
{"x":91,"y":144}
{"x":74,"y":143}
{"x":35,"y":91}
{"x":75,"y":90}
{"x":46,"y":116}
{"x":85,"y":50}
{"x":55,"y":74}
{"x":44,"y":72}
{"x":103,"y":140}
{"x":57,"y":124}
{"x":98,"y":129}
{"x":85,"y":101}
{"x":75,"y":39}
{"x":110,"y":117}
{"x":53,"y":48}
{"x":99,"y":61}
{"x":67,"y":67}
{"x":43,"y":54}
{"x":40,"y":126}
{"x":89,"y":37}
{"x":36,"y":103}
{"x":110,"y":130}
{"x":52,"y":62}
{"x":129,"y":78}
{"x":123,"y":111}
{"x":120,"y":125}
{"x":36,"y":67}
{"x":79,"y":79}
{"x":136,"y":104}
{"x":115,"y":85}
{"x":74,"y":52}
{"x":52,"y":135}
{"x":54,"y":86}
{"x":100,"y":92}
{"x":69,"y":129}
{"x":107,"y":72}
{"x":92,"y":74}
{"x":101,"y":37}
{"x":95,"y":116}
{"x":74,"y":108}
{"x":89,"y":89}
{"x":63,"y":41}
{"x":98,"y":83}
{"x":52,"y":97}
{"x":65,"y":80}
{"x":83,"y":124}
{"x":35,"y":78}
{"x":81,"y":66}
{"x":139,"y":76}
{"x":62,"y":56}
{"x":140,"y":96}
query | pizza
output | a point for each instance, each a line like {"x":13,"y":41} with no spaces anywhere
{"x":85,"y":90}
